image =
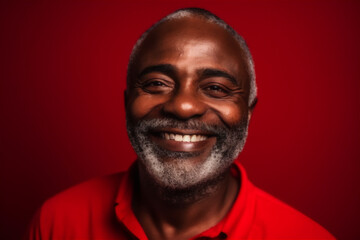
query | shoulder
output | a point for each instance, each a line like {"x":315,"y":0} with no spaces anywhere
{"x":267,"y":217}
{"x":279,"y":220}
{"x":76,"y":209}
{"x":94,"y":190}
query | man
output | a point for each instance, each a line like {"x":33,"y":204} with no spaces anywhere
{"x":190,"y":95}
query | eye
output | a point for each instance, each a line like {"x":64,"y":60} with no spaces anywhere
{"x":156,"y":86}
{"x":216,"y":88}
{"x":216,"y":91}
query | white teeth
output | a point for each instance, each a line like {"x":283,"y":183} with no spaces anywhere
{"x":178,"y":137}
{"x":184,"y":138}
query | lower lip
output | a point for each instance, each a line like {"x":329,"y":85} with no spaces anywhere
{"x":177,"y":146}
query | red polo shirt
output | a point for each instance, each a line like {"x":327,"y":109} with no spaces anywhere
{"x":101,"y":209}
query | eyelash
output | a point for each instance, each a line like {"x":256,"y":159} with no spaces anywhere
{"x":216,"y":88}
{"x":217,"y":91}
{"x":155,"y":84}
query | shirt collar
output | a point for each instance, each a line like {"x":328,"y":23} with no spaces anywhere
{"x":238,"y":220}
{"x":235,"y":224}
{"x":123,"y":204}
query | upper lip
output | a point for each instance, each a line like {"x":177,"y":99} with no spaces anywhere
{"x":184,"y":131}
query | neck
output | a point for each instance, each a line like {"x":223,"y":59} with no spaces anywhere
{"x":166,"y":213}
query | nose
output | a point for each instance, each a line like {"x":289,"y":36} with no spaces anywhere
{"x":184,"y":105}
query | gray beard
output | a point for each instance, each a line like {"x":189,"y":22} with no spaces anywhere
{"x":172,"y":170}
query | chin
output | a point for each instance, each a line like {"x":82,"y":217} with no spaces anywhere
{"x":182,"y":170}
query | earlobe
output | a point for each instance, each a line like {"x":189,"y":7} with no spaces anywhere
{"x":251,"y":108}
{"x":249,"y":114}
{"x":253,"y":104}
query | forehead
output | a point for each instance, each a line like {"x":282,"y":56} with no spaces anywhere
{"x":192,"y":35}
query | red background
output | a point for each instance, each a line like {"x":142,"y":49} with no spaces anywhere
{"x":62,"y":117}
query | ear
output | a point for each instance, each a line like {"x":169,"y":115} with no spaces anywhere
{"x":251,"y":108}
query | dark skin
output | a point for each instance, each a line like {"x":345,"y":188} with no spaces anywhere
{"x":187,"y":69}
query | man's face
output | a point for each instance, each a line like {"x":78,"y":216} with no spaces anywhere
{"x":187,"y":103}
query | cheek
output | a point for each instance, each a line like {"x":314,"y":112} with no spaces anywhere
{"x":143,"y":105}
{"x":231,"y":113}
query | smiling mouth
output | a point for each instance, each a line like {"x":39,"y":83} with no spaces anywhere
{"x":183,"y":137}
{"x":183,"y":140}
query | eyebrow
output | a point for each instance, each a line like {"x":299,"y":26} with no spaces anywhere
{"x":166,"y":69}
{"x":212,"y":72}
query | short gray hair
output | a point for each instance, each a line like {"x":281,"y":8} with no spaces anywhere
{"x":212,"y":18}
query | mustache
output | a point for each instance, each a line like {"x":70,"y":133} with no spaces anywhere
{"x":145,"y":126}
